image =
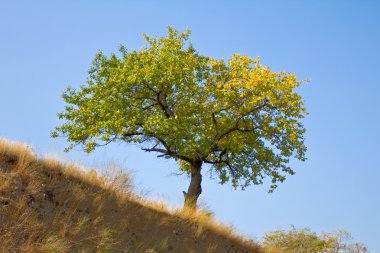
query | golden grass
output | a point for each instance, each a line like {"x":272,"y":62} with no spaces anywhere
{"x":47,"y":205}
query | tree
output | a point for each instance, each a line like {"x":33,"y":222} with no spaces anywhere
{"x":305,"y":241}
{"x":238,"y":118}
{"x":338,"y":241}
{"x":295,"y":240}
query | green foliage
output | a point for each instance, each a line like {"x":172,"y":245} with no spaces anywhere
{"x":237,"y":116}
{"x":305,"y":241}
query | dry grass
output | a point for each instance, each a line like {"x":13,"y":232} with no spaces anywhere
{"x":50,"y":206}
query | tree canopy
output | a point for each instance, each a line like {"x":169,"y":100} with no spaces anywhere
{"x":236,"y":115}
{"x":305,"y":241}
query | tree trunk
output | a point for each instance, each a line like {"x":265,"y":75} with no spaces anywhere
{"x":195,"y":188}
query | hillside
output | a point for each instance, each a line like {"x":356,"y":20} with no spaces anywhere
{"x":49,"y":206}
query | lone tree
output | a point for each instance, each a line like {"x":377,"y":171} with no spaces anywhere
{"x":237,"y":118}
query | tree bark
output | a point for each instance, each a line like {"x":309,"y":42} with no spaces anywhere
{"x":195,"y":188}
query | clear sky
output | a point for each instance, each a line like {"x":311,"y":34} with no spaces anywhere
{"x":48,"y":45}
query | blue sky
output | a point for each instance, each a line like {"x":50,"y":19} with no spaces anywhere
{"x":48,"y":45}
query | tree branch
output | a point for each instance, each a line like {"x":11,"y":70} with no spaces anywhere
{"x":236,"y":126}
{"x":108,"y":142}
{"x":164,"y":108}
{"x":167,"y":150}
{"x":214,"y":120}
{"x":160,"y":150}
{"x":148,"y":106}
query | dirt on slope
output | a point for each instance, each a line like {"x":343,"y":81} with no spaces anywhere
{"x":46,"y":206}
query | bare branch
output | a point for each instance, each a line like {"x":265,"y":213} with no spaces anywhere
{"x":160,"y":150}
{"x":108,"y":142}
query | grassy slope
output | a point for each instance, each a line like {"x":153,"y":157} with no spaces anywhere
{"x":46,"y":206}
